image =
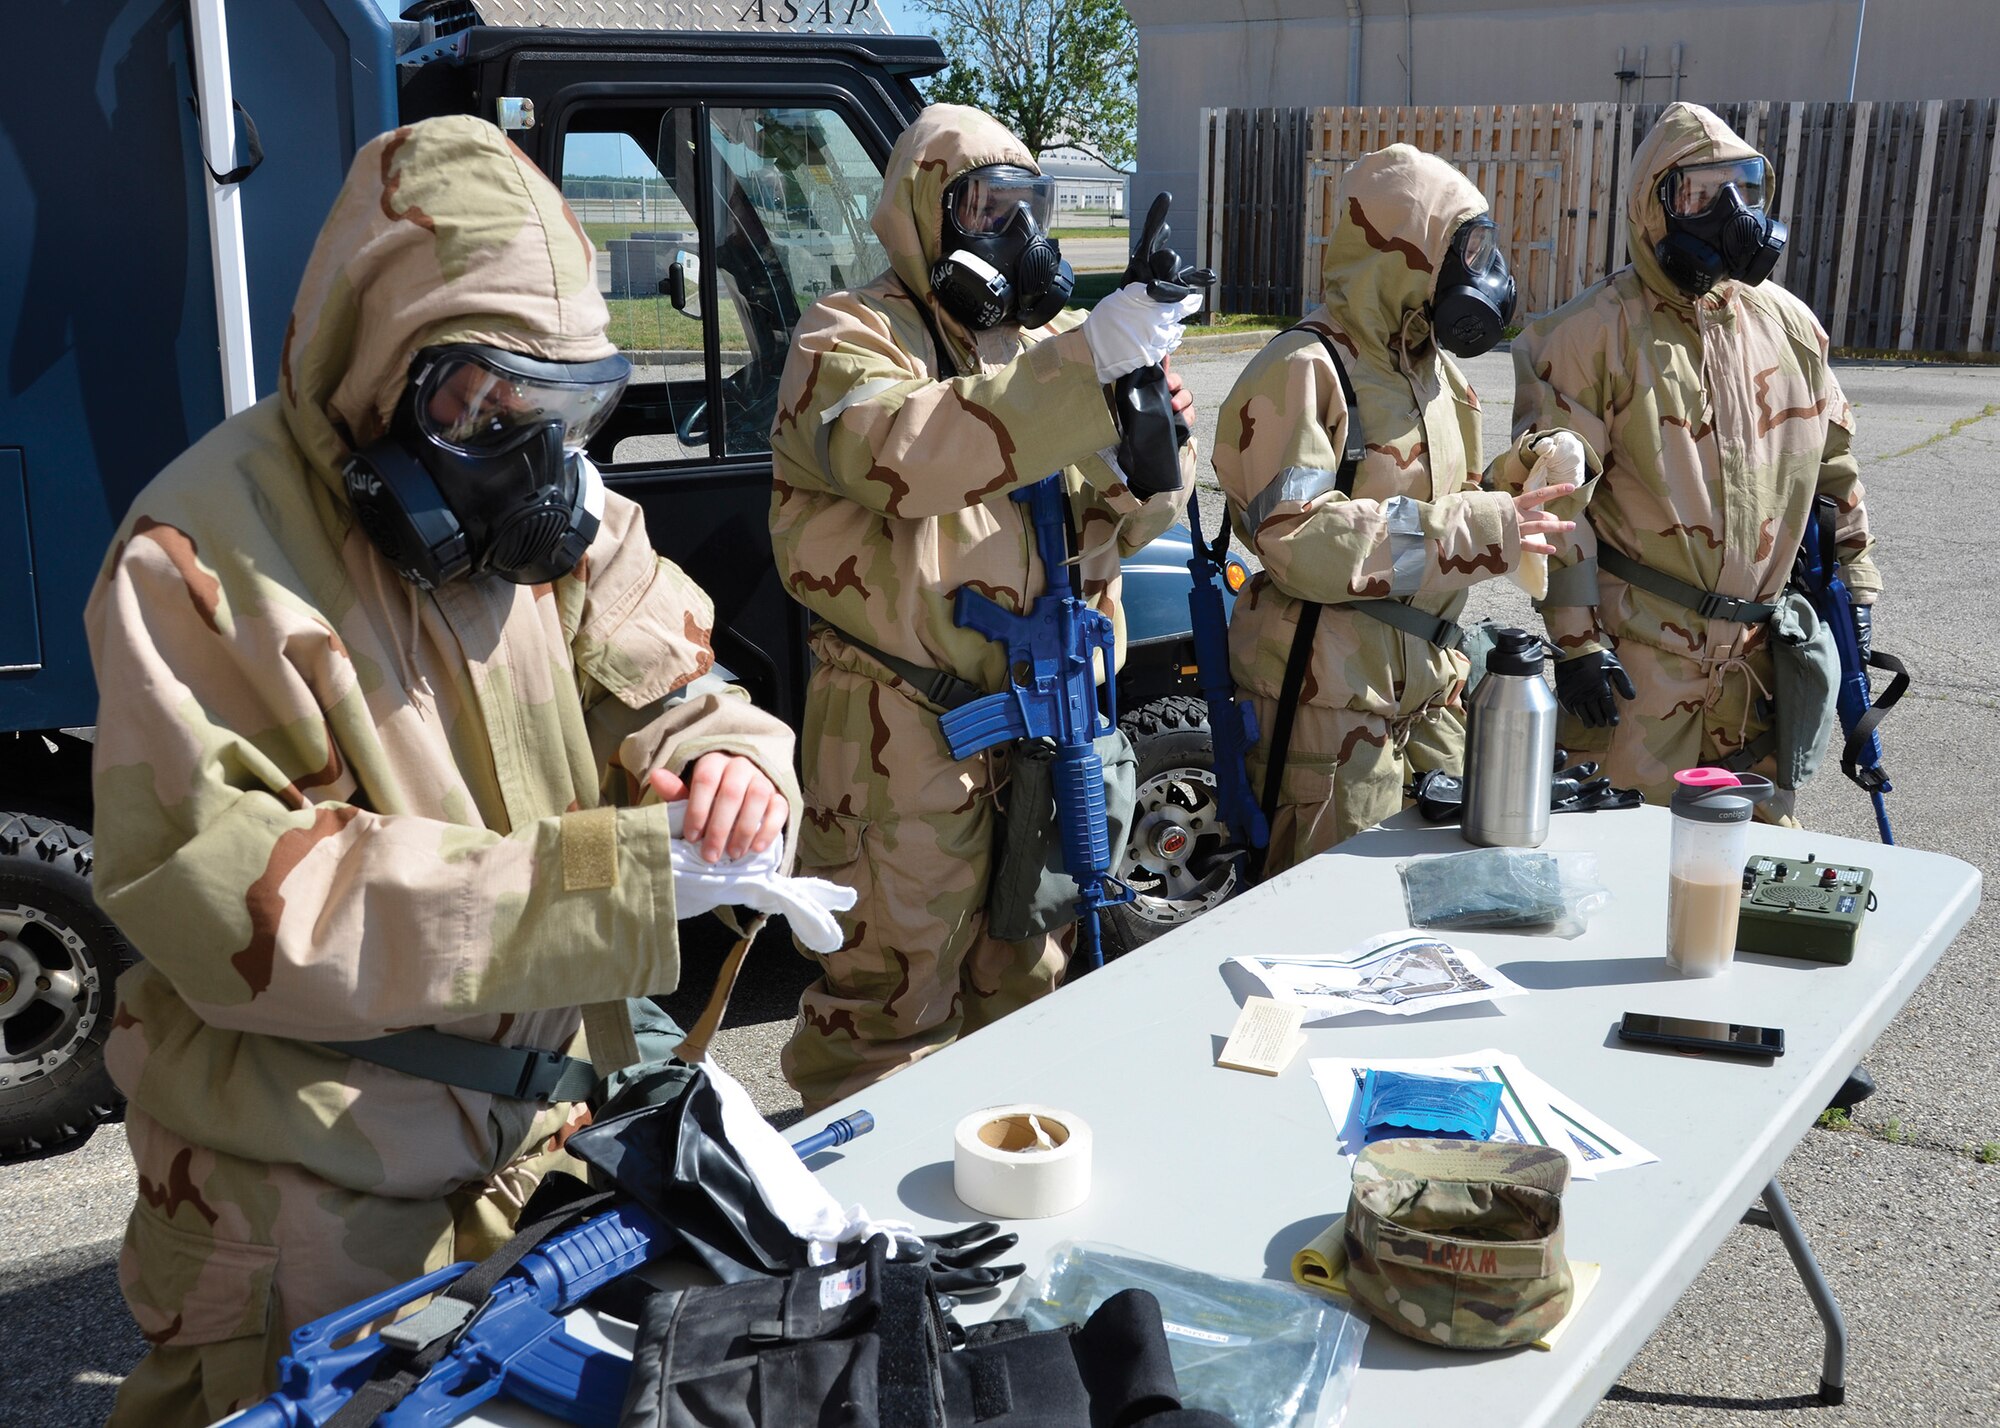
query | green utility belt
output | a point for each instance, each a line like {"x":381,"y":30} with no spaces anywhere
{"x":1804,"y":909}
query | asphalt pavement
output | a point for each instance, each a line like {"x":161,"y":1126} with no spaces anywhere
{"x":1901,"y":1209}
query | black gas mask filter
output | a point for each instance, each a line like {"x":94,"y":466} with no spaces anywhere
{"x":1717,"y":227}
{"x":482,"y":471}
{"x":996,"y":262}
{"x":1474,"y":298}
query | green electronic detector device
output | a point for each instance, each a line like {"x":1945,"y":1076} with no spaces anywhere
{"x":1802,"y":908}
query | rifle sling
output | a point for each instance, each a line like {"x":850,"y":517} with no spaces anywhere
{"x":416,"y":1351}
{"x":1864,"y":727}
{"x":947,"y":691}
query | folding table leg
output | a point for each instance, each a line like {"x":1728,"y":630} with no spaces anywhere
{"x":1776,"y":1214}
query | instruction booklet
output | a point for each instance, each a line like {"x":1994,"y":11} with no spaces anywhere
{"x":1402,"y":973}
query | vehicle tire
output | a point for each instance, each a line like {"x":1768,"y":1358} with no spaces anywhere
{"x":59,"y":961}
{"x":1177,"y":828}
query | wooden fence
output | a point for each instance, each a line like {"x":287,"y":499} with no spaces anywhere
{"x":1253,"y":212}
{"x":1893,"y":207}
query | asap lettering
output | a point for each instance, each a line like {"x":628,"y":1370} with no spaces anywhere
{"x":817,"y":12}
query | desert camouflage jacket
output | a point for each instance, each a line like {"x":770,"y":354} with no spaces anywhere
{"x":1718,"y":420}
{"x":1416,"y":526}
{"x":330,"y":804}
{"x":892,"y":484}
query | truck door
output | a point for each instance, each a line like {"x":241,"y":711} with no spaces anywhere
{"x":720,"y":213}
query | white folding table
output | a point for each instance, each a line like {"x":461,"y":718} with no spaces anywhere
{"x":1233,"y":1173}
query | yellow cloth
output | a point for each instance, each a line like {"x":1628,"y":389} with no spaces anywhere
{"x":1322,"y":1265}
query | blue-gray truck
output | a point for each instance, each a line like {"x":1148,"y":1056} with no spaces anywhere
{"x":164,"y":169}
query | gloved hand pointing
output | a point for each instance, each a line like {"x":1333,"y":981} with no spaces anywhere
{"x":1584,"y":685}
{"x":756,"y":881}
{"x":1131,"y":329}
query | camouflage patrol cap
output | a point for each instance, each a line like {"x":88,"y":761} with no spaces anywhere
{"x":1459,"y":1242}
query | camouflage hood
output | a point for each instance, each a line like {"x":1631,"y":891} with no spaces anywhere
{"x":1685,"y":134}
{"x":443,"y":232}
{"x":945,"y":141}
{"x":1402,"y":208}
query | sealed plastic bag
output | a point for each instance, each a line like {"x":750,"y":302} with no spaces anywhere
{"x":1263,"y":1355}
{"x":1504,"y":890}
{"x":1396,"y":1104}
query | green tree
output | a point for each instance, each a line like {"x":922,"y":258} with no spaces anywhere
{"x":1053,"y":71}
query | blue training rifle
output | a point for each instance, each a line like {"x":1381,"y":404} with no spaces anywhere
{"x":513,"y":1345}
{"x":1818,"y":574}
{"x":1053,"y":654}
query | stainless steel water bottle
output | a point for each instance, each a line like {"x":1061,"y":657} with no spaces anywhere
{"x":1510,"y":749}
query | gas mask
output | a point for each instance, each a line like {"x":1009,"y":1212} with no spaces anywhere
{"x":996,"y":262}
{"x":482,"y":469}
{"x":1474,"y":297}
{"x":1717,"y":227}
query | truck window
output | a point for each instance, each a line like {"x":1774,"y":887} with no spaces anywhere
{"x":628,"y":176}
{"x":716,"y":228}
{"x":792,"y":192}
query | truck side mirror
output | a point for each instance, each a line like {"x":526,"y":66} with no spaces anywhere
{"x":682,"y":284}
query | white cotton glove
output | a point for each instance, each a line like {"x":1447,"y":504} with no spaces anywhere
{"x":1559,"y":459}
{"x":793,"y":1193}
{"x":1130,"y":329}
{"x":756,"y":881}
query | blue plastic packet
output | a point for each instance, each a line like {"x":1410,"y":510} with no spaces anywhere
{"x":1397,"y":1103}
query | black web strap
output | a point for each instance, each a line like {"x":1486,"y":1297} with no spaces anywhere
{"x":947,"y":368}
{"x":416,"y":1344}
{"x":1300,"y":659}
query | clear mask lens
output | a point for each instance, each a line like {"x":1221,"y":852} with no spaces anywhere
{"x":1477,"y":245}
{"x":472,"y":406}
{"x":1692,"y":191}
{"x":986,"y":200}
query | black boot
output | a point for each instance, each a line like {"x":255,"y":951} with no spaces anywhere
{"x":1858,"y":1087}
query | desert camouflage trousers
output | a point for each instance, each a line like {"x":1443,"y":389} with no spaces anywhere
{"x":1346,"y":771}
{"x":223,"y":1258}
{"x":1688,"y":712}
{"x":892,"y":815}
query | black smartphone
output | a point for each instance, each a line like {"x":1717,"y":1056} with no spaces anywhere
{"x":1719,"y":1038}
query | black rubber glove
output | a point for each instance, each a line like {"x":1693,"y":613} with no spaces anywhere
{"x":958,"y":1260}
{"x":1150,"y":432}
{"x":1584,"y":687}
{"x":1864,"y":630}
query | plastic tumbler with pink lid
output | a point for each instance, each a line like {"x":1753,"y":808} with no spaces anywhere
{"x":1711,"y":809}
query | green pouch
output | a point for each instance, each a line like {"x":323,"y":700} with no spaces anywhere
{"x":1805,"y":668}
{"x":1477,"y":646}
{"x":657,"y":1077}
{"x":1031,"y":895}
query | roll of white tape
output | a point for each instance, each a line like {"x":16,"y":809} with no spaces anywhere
{"x":1021,"y":1162}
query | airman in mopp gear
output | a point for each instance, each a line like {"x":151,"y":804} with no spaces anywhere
{"x":333,"y":804}
{"x":910,"y":410}
{"x":1408,"y":524}
{"x":1708,"y":394}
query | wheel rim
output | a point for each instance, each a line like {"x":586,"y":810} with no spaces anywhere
{"x":49,"y":993}
{"x":1177,"y":830}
